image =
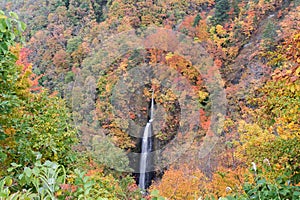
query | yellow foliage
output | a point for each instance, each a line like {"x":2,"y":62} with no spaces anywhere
{"x":220,"y":30}
{"x":252,"y":136}
{"x":202,"y":95}
{"x":169,"y":56}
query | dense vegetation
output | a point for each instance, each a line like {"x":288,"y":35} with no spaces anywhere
{"x":61,"y":136}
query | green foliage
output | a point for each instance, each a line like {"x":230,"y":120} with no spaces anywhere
{"x":155,"y":195}
{"x":221,"y":11}
{"x":106,"y":153}
{"x":196,"y":20}
{"x":30,"y":121}
{"x":61,"y":34}
{"x":259,"y":145}
{"x":99,"y":7}
{"x":44,"y":179}
{"x":42,"y":124}
{"x":51,"y":181}
{"x":94,"y":184}
{"x":264,"y":189}
{"x":270,"y":31}
{"x":269,"y":36}
{"x":73,"y":44}
{"x":5,"y":192}
{"x":52,"y":133}
{"x":39,"y":182}
{"x":84,"y":186}
{"x":70,"y":76}
{"x":10,"y":31}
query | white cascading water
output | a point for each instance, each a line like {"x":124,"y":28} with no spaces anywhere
{"x":146,"y":147}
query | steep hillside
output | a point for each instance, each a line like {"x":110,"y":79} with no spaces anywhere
{"x":225,"y":82}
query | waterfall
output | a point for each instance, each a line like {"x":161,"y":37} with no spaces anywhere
{"x":144,"y":155}
{"x":146,"y":148}
{"x":152,"y":108}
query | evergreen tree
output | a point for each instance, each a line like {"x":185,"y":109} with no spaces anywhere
{"x":269,"y":35}
{"x":221,"y":11}
{"x":197,"y":20}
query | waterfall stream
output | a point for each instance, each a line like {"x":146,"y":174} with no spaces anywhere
{"x":146,"y":149}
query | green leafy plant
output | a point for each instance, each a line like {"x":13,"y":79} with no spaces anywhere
{"x":10,"y":32}
{"x":155,"y":195}
{"x":84,"y":185}
{"x":262,"y":188}
{"x":42,"y":179}
{"x":39,"y":182}
{"x":5,"y":192}
{"x":30,"y":120}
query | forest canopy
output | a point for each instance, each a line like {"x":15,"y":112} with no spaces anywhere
{"x":77,"y":79}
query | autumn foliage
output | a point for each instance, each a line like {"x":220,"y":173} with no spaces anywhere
{"x":254,"y":46}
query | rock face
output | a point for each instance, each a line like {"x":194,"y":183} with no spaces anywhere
{"x":159,"y":124}
{"x":248,"y":71}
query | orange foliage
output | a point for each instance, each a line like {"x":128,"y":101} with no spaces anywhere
{"x":183,"y":66}
{"x":93,"y":168}
{"x":248,"y":25}
{"x":218,"y":63}
{"x":23,"y":59}
{"x":187,"y":183}
{"x":60,"y":59}
{"x":162,"y":39}
{"x":132,"y":115}
{"x":202,"y":33}
{"x":290,"y":24}
{"x":205,"y":120}
{"x":27,"y":76}
{"x":156,"y":56}
{"x":181,"y":183}
{"x":227,"y":180}
{"x":187,"y":25}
